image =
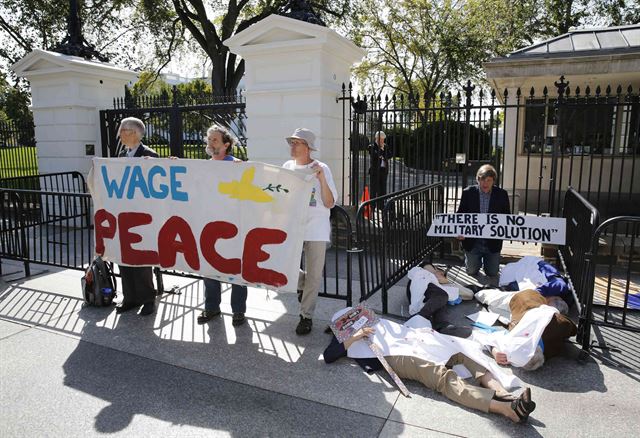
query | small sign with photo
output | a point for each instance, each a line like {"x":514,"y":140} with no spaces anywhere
{"x":352,"y":321}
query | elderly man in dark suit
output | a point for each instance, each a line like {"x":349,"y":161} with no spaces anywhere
{"x":137,"y":282}
{"x":483,"y":198}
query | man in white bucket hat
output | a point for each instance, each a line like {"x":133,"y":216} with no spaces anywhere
{"x":318,"y":227}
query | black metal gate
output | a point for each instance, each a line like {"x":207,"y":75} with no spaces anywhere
{"x":540,"y":143}
{"x":175,"y":125}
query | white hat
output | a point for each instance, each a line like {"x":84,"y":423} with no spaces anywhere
{"x":306,"y":135}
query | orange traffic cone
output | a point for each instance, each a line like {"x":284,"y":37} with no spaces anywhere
{"x":363,"y":199}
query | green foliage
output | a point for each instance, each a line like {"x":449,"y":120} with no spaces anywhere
{"x":14,"y":103}
{"x":116,"y":28}
{"x":423,"y":46}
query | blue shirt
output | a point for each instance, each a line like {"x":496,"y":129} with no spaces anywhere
{"x":484,"y":201}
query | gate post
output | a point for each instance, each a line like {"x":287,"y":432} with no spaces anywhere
{"x":175,"y":126}
{"x":561,"y":86}
{"x":67,"y":93}
{"x":468,"y":90}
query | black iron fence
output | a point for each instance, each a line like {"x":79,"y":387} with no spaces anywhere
{"x":392,"y":236}
{"x":17,"y":149}
{"x":176,"y":125}
{"x":540,"y":141}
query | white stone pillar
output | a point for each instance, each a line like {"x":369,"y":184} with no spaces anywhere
{"x":67,"y":93}
{"x":294,"y":73}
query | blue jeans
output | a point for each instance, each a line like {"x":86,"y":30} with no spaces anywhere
{"x":481,"y":256}
{"x":213,"y":292}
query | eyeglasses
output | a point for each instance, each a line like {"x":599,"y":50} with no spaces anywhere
{"x":296,"y":142}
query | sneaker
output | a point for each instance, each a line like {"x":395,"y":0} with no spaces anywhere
{"x":206,"y":315}
{"x":304,"y":326}
{"x":238,"y":319}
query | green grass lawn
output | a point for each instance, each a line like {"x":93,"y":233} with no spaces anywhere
{"x":18,"y":161}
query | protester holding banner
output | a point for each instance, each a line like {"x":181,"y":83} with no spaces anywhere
{"x":483,"y":198}
{"x":137,"y":282}
{"x":416,"y":352}
{"x":220,"y":143}
{"x":318,"y":227}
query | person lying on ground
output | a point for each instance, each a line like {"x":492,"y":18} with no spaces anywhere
{"x":416,"y":352}
{"x":531,"y":315}
{"x":428,"y":298}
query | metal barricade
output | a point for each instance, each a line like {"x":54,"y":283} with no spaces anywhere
{"x":582,"y":220}
{"x":614,"y":267}
{"x":48,"y":228}
{"x":392,"y":236}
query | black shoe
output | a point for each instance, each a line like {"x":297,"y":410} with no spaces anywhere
{"x":206,"y":315}
{"x":523,"y":406}
{"x":125,"y":307}
{"x":299,"y":295}
{"x":148,"y":309}
{"x":304,"y":326}
{"x":238,"y":319}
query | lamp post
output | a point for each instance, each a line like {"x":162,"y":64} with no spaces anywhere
{"x":552,"y":132}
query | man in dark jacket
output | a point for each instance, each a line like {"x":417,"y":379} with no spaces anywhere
{"x":483,"y":198}
{"x":137,"y":282}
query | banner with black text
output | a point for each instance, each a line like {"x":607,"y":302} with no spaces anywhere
{"x":500,"y":226}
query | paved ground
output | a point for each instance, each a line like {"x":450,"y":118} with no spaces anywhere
{"x":70,"y":370}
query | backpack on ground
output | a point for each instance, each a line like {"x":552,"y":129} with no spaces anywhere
{"x":98,"y":283}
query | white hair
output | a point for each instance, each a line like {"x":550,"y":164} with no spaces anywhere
{"x":380,"y":134}
{"x":132,"y":123}
{"x":536,"y":361}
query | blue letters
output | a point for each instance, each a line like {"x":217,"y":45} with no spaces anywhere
{"x":164,"y":190}
{"x":175,"y":184}
{"x":112,"y":186}
{"x":133,"y":180}
{"x":137,"y":180}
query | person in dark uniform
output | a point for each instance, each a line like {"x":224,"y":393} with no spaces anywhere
{"x":379,"y":169}
{"x":137,"y":282}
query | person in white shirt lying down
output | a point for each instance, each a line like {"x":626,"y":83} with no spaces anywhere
{"x":417,"y":352}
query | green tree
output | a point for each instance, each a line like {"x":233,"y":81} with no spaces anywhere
{"x":421,"y":46}
{"x":210,"y":23}
{"x":123,"y":30}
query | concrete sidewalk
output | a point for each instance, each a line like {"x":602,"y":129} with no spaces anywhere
{"x":70,"y":370}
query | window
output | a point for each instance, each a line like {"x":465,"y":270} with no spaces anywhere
{"x":586,"y":127}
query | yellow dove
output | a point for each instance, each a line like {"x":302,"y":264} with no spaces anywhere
{"x":244,"y":190}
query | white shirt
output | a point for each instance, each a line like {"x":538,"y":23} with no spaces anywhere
{"x":318,"y":226}
{"x":132,"y":152}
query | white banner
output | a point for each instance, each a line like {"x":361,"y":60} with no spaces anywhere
{"x":500,"y":226}
{"x":240,"y":223}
